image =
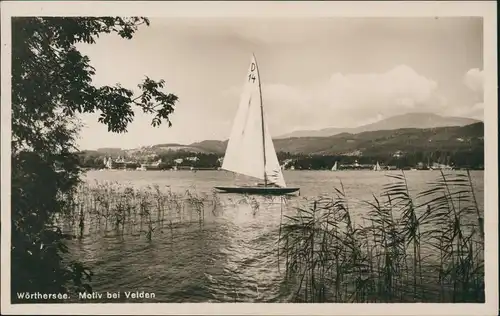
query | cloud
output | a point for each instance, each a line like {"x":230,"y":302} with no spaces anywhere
{"x":474,"y":80}
{"x":476,"y":111}
{"x":363,"y":97}
{"x":348,"y":100}
{"x":400,"y":87}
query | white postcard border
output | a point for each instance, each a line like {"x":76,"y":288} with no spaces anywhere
{"x":486,"y":9}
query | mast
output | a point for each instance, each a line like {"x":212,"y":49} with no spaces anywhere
{"x":262,"y":121}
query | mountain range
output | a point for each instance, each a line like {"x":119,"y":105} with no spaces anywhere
{"x":409,"y":120}
{"x":408,"y":132}
{"x":451,"y":138}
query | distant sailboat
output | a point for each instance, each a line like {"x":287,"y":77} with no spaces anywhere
{"x":141,"y":168}
{"x":334,"y":168}
{"x":250,"y":150}
{"x":377,"y":167}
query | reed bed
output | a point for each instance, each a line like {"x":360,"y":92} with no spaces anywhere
{"x":425,"y":247}
{"x":400,"y":247}
{"x":119,"y":210}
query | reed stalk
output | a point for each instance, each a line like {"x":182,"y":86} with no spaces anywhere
{"x":427,"y":246}
{"x":414,"y":249}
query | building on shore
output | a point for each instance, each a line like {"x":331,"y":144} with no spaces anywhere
{"x":119,"y":163}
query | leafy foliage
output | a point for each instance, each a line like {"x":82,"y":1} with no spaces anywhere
{"x":51,"y":85}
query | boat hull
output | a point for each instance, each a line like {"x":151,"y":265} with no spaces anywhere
{"x":258,"y":190}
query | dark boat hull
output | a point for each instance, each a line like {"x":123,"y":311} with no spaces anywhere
{"x":258,"y":190}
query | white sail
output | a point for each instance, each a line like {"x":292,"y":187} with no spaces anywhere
{"x":273,"y":169}
{"x":376,"y":167}
{"x":250,"y":150}
{"x":334,"y":168}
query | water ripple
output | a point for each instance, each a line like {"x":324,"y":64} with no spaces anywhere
{"x":231,"y":257}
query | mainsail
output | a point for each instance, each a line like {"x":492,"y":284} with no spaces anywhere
{"x":250,"y":150}
{"x":334,"y":168}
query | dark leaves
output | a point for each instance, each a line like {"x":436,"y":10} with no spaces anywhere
{"x":51,"y":85}
{"x":49,"y":76}
{"x":154,"y":100}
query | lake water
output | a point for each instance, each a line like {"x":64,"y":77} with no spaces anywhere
{"x":232,"y":256}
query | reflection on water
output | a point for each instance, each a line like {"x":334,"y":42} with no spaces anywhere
{"x":229,"y":257}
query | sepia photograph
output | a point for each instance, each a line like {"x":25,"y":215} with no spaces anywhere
{"x":218,"y":152}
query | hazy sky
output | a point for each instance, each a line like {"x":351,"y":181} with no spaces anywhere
{"x":316,"y":72}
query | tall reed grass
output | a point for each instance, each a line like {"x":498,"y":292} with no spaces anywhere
{"x":114,"y":209}
{"x":426,"y":247}
{"x":405,"y":247}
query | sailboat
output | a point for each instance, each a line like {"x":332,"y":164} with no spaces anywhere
{"x":250,"y":149}
{"x":334,"y":168}
{"x":377,"y":167}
